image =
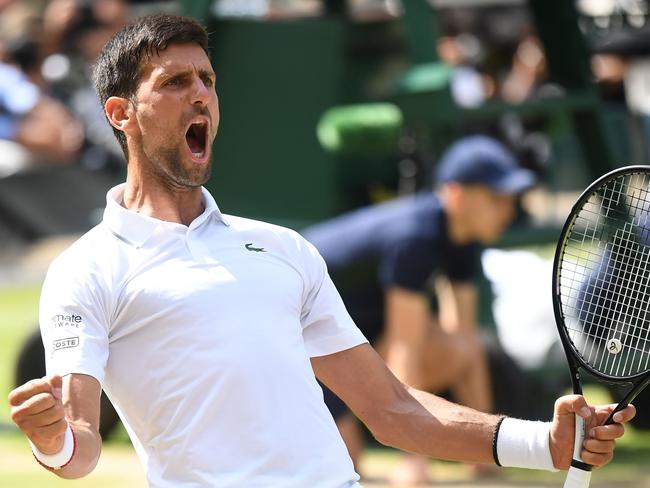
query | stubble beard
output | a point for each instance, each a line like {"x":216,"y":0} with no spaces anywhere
{"x":167,"y":162}
{"x":169,"y":166}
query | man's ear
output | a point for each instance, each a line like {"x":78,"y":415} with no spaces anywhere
{"x":119,"y":112}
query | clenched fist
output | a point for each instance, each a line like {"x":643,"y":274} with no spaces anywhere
{"x":37,"y":409}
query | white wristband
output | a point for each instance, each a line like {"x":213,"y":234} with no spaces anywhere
{"x":524,"y":444}
{"x":61,"y":458}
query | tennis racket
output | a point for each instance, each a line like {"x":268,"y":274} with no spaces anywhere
{"x":601,"y":291}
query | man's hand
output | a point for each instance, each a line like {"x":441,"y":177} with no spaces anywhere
{"x":37,"y":409}
{"x":43,"y":408}
{"x":599,"y":443}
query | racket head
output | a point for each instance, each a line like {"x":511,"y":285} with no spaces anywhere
{"x":601,"y":278}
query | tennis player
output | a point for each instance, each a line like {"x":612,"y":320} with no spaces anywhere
{"x":208,"y":331}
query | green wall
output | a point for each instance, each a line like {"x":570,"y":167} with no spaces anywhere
{"x":274,"y":80}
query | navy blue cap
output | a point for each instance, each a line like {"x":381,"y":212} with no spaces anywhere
{"x":483,"y":160}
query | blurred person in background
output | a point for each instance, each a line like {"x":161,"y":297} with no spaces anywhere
{"x":35,"y":128}
{"x":621,"y":65}
{"x":388,"y":260}
{"x":528,"y":71}
{"x":74,"y":33}
{"x":52,"y":44}
{"x":95,"y":23}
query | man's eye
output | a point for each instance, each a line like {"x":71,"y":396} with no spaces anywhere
{"x":174,"y":82}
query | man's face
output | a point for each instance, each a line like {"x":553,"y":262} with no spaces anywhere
{"x":177,"y":113}
{"x":489,"y":213}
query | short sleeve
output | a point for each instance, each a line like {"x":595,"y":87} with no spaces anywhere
{"x":73,"y":321}
{"x":407,"y":264}
{"x":327,"y":325}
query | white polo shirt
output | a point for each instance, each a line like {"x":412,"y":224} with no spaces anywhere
{"x":201,"y":336}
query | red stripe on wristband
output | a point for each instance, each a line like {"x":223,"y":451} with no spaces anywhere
{"x":74,"y":449}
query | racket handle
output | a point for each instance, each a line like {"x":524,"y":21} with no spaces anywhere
{"x":579,"y":473}
{"x":577,"y":478}
{"x":578,"y":439}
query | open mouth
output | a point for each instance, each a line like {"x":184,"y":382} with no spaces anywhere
{"x":196,"y":137}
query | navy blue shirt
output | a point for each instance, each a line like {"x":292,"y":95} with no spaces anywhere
{"x":403,"y":243}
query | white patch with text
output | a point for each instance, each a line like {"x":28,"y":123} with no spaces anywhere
{"x":65,"y":343}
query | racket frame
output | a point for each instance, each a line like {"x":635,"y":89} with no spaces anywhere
{"x":574,"y":358}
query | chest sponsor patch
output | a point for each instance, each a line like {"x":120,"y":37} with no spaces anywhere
{"x":65,"y":343}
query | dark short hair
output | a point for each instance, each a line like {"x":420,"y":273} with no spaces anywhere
{"x":119,"y":66}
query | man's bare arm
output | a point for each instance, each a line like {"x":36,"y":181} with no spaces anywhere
{"x":458,"y":310}
{"x":403,"y":417}
{"x":457,"y":305}
{"x":415,"y":421}
{"x":407,"y":329}
{"x":430,"y":358}
{"x":42,"y":408}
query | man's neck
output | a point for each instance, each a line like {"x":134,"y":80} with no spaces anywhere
{"x":152,"y":198}
{"x":457,"y":229}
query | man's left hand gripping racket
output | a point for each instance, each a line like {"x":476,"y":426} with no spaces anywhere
{"x":601,"y":291}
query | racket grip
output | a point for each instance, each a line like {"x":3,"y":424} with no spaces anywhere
{"x":579,"y":473}
{"x":577,"y":478}
{"x":578,"y":439}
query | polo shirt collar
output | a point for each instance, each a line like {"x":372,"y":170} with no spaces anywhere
{"x":136,"y":228}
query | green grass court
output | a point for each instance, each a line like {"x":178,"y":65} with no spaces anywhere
{"x":119,"y":467}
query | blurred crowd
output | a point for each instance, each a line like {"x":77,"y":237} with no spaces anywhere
{"x":48,"y":110}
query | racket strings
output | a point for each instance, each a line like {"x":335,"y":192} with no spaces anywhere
{"x":626,"y":288}
{"x":622,"y":315}
{"x":605,"y":277}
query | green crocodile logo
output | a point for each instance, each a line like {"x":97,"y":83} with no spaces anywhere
{"x":250,"y":247}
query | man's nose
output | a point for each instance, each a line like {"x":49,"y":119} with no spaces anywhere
{"x":200,"y":92}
